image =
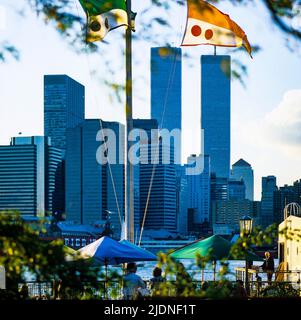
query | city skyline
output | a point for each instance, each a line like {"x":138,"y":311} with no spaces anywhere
{"x":257,"y":122}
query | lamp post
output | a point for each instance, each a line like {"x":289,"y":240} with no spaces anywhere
{"x":246,"y":225}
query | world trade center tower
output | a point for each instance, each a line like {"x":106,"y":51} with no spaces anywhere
{"x":216,"y":111}
{"x":166,"y":91}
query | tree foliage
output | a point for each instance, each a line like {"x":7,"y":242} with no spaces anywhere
{"x":24,"y":256}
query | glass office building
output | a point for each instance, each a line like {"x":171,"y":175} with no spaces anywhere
{"x":158,"y":190}
{"x":166,"y":90}
{"x":269,"y":186}
{"x":199,"y":189}
{"x":93,"y":188}
{"x":30,"y":176}
{"x":242,"y":170}
{"x":215,"y":111}
{"x":64,"y":107}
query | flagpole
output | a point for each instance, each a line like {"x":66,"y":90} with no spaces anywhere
{"x":129,"y":174}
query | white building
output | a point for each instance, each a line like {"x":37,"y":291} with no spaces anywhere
{"x":289,"y":248}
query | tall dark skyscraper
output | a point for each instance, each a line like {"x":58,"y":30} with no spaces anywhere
{"x":90,"y":190}
{"x":269,"y":186}
{"x":161,"y":211}
{"x":216,"y":111}
{"x":166,"y":87}
{"x":64,"y":107}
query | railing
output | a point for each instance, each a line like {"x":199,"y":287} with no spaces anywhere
{"x":261,"y":282}
{"x":284,"y":283}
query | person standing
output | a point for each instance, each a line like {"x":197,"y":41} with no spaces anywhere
{"x":268,"y":266}
{"x":132,"y":282}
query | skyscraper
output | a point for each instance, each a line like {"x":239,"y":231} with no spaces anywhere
{"x":283,"y":196}
{"x":269,"y":186}
{"x":182,"y":200}
{"x":30,"y":176}
{"x":93,"y":187}
{"x":166,"y":87}
{"x":166,"y":90}
{"x":242,"y":170}
{"x":229,"y":212}
{"x":157,"y":181}
{"x":215,"y":111}
{"x":64,"y":107}
{"x":199,"y":190}
{"x":236,"y":189}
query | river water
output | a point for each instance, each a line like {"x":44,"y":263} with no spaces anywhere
{"x":145,"y":269}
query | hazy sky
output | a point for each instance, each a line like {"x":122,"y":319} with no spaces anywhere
{"x":266,"y":115}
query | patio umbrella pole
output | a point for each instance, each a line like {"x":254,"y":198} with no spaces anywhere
{"x":214,"y":269}
{"x":106,"y":282}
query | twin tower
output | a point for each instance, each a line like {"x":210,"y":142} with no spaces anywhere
{"x":92,"y":190}
{"x":166,"y":98}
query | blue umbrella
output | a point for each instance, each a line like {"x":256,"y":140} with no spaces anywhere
{"x":107,"y":251}
{"x":144,"y":254}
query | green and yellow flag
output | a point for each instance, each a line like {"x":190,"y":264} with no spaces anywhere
{"x":104,"y":16}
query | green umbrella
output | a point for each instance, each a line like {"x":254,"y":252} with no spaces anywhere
{"x":214,"y":247}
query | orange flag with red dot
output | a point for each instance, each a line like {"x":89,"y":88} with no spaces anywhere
{"x":206,"y":25}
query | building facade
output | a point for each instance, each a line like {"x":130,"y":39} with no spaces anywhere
{"x":289,"y":248}
{"x":158,"y":189}
{"x":216,"y":111}
{"x":182,"y":196}
{"x":285,"y":195}
{"x":269,"y":186}
{"x":166,"y":87}
{"x":229,"y":212}
{"x":166,"y":91}
{"x":236,"y":189}
{"x":95,"y":189}
{"x":199,"y":190}
{"x":31,"y":177}
{"x":242,"y":170}
{"x":64,"y":107}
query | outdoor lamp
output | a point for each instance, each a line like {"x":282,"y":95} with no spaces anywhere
{"x":245,"y":225}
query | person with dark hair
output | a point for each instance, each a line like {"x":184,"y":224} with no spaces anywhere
{"x":268,"y":266}
{"x":132,"y":282}
{"x":156,"y":280}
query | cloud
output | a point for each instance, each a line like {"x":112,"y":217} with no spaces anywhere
{"x":280,"y":129}
{"x":283,"y":124}
{"x":272,"y":143}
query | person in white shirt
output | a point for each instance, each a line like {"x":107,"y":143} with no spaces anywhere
{"x":132,"y":282}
